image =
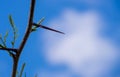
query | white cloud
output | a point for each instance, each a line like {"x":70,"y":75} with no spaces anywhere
{"x":82,"y":49}
{"x":90,"y":3}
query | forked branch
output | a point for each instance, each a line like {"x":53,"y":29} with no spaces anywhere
{"x":28,"y":31}
{"x":15,"y":53}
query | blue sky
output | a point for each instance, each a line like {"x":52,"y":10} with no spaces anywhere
{"x":90,"y":47}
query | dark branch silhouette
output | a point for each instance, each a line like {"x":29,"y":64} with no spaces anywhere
{"x":15,"y":53}
{"x":28,"y":31}
{"x":9,"y":49}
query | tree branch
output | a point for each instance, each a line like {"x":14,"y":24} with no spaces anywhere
{"x":28,"y":31}
{"x":9,"y":49}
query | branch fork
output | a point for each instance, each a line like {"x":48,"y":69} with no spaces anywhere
{"x":17,"y":52}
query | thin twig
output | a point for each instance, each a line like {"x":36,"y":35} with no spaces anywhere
{"x":9,"y":49}
{"x":2,"y":41}
{"x":28,"y":31}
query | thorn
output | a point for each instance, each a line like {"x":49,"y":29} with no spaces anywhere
{"x":44,"y":27}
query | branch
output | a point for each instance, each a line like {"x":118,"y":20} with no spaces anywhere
{"x":44,"y":27}
{"x":28,"y":31}
{"x":9,"y":49}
